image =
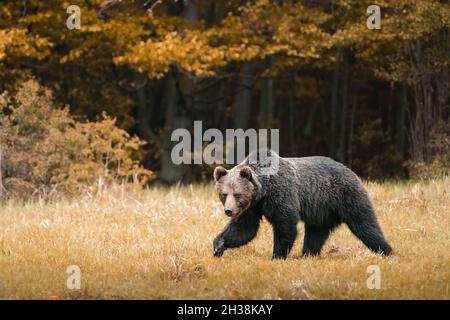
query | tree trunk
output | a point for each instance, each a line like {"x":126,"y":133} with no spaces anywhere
{"x":219,"y":107}
{"x":350,"y":134}
{"x":344,"y":106}
{"x":267,"y":98}
{"x":333,"y":109}
{"x":242,"y":99}
{"x":425,"y":109}
{"x":144,"y":113}
{"x":309,"y":125}
{"x":401,"y":120}
{"x":175,"y":118}
{"x":292,"y":117}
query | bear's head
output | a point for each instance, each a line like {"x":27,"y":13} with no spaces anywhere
{"x":237,"y":189}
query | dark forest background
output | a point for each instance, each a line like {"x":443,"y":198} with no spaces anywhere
{"x":376,"y":100}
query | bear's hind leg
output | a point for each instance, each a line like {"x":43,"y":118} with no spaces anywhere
{"x":369,"y":232}
{"x":314,"y":240}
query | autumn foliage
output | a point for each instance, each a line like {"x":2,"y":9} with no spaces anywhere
{"x":45,"y":150}
{"x":374,"y":99}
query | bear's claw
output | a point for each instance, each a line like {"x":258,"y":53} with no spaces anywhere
{"x":219,"y":247}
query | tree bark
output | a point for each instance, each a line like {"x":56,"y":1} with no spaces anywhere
{"x":243,"y":97}
{"x":292,"y":117}
{"x":175,"y":116}
{"x":350,"y":134}
{"x":344,"y":107}
{"x":267,"y":97}
{"x":401,"y":120}
{"x":333,"y":109}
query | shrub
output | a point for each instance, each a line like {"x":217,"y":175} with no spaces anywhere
{"x":43,"y":148}
{"x":378,"y":156}
{"x":440,"y":148}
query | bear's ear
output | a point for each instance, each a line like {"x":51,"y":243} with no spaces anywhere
{"x":219,"y":172}
{"x":246,"y":172}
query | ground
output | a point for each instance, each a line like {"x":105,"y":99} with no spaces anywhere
{"x":157,"y":244}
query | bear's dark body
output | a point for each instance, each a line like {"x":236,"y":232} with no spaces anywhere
{"x":317,"y":190}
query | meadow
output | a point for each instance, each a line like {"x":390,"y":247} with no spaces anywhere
{"x":157,"y":244}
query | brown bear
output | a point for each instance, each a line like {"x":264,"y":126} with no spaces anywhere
{"x":317,"y":190}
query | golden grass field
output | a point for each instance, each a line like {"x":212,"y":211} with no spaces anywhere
{"x":157,"y":244}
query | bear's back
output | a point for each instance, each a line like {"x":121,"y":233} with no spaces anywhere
{"x":312,"y":170}
{"x":319,"y":167}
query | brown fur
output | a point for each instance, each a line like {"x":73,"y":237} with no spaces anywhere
{"x":317,"y":190}
{"x":235,"y":189}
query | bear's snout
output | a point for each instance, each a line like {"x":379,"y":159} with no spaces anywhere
{"x":229,"y":212}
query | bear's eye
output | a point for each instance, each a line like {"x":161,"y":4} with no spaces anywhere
{"x":223,"y":195}
{"x":237,"y":196}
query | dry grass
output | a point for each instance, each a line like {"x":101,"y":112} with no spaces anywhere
{"x":157,"y":245}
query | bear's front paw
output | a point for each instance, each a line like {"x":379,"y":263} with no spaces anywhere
{"x":219,"y":247}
